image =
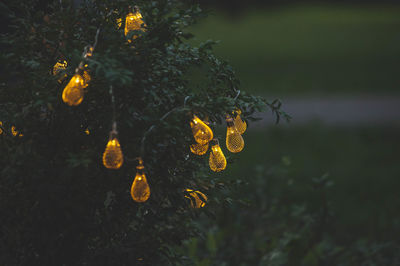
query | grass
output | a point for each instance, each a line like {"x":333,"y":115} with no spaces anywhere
{"x":363,"y":163}
{"x":310,"y":49}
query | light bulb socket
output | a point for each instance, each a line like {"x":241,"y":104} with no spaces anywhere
{"x":229,"y":121}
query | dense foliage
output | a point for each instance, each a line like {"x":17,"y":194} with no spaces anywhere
{"x":59,"y":205}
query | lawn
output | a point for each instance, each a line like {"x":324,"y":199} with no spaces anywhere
{"x":363,"y":164}
{"x":297,"y":49}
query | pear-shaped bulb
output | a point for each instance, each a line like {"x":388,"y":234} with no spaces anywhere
{"x":112,"y":156}
{"x":201,"y":132}
{"x":140,"y":190}
{"x":73,"y":92}
{"x":234,"y":141}
{"x":199,"y":149}
{"x":240,"y":125}
{"x":134,"y":21}
{"x":197,"y":199}
{"x":217,"y":159}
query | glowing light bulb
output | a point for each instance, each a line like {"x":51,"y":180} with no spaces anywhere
{"x":73,"y":92}
{"x":134,"y":21}
{"x":201,"y":132}
{"x":197,"y":199}
{"x":199,"y":149}
{"x":87,"y":131}
{"x":241,"y":125}
{"x":58,"y":67}
{"x":1,"y":129}
{"x":112,"y":156}
{"x":234,"y":141}
{"x":217,"y":159}
{"x":140,"y":190}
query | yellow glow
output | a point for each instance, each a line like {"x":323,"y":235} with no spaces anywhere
{"x":58,"y":67}
{"x":134,"y":21}
{"x":1,"y":130}
{"x":197,"y":199}
{"x":112,"y":156}
{"x":15,"y":132}
{"x":217,"y":159}
{"x":86,"y":78}
{"x":234,"y":141}
{"x":87,"y":131}
{"x":199,"y":149}
{"x":73,"y":92}
{"x":241,"y":125}
{"x":140,"y":190}
{"x":119,"y":23}
{"x":201,"y":132}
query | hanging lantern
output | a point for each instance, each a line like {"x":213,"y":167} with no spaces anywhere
{"x":201,"y":132}
{"x":134,"y":21}
{"x":217,"y":159}
{"x":234,"y":141}
{"x":241,"y":125}
{"x":73,"y":93}
{"x":112,"y":156}
{"x":140,"y":190}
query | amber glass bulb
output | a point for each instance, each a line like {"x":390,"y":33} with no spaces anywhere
{"x":217,"y":159}
{"x":240,"y":125}
{"x":73,"y":92}
{"x":112,"y":156}
{"x":197,"y":199}
{"x":140,"y":190}
{"x":133,"y":21}
{"x":234,"y":141}
{"x":201,"y":132}
{"x":199,"y":149}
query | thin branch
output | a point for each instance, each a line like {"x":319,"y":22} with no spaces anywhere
{"x":142,"y":142}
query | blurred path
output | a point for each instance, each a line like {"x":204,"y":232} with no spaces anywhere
{"x":339,"y":110}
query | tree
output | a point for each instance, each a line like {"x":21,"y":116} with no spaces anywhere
{"x":59,"y":204}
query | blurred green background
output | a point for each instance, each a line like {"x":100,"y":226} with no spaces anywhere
{"x":297,"y":49}
{"x":310,"y":193}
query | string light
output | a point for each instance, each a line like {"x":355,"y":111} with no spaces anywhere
{"x":197,"y":199}
{"x":134,"y":21}
{"x":199,"y":149}
{"x":201,"y":132}
{"x":140,"y":190}
{"x":73,"y":93}
{"x":112,"y":156}
{"x":217,"y":159}
{"x":241,"y":125}
{"x":234,"y":141}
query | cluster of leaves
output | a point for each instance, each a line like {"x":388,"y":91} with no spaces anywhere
{"x":274,"y":227}
{"x":59,"y":205}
